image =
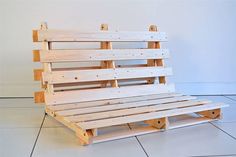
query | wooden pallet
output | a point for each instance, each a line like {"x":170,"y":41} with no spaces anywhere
{"x":90,"y":98}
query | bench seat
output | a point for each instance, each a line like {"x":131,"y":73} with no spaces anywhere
{"x":119,"y":87}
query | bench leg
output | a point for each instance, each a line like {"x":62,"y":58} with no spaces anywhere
{"x":213,"y":114}
{"x":85,"y":137}
{"x":160,"y":123}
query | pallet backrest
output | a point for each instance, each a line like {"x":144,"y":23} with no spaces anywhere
{"x":65,"y":81}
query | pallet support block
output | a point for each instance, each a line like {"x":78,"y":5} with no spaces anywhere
{"x":213,"y":114}
{"x":88,"y":99}
{"x":160,"y":123}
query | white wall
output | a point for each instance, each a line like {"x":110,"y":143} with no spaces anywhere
{"x":202,"y":37}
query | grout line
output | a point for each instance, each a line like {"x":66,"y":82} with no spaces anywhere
{"x":223,"y":130}
{"x":31,"y":154}
{"x":213,"y":94}
{"x":219,"y":155}
{"x":229,"y":98}
{"x":139,"y":142}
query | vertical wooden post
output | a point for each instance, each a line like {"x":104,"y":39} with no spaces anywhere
{"x":107,"y":64}
{"x":155,"y":62}
{"x":47,"y":67}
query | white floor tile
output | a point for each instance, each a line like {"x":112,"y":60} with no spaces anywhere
{"x":17,"y":142}
{"x":62,"y":142}
{"x":217,"y":99}
{"x":232,"y":97}
{"x":21,"y":117}
{"x":51,"y":122}
{"x":18,"y":102}
{"x":230,"y":128}
{"x":203,"y":139}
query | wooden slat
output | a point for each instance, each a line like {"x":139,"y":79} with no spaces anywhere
{"x":112,"y":101}
{"x":148,"y":129}
{"x":106,"y":93}
{"x":124,"y":134}
{"x":135,"y":110}
{"x":75,"y":36}
{"x":99,"y":55}
{"x":147,"y":116}
{"x":57,"y":77}
{"x":38,"y":72}
{"x":122,"y":106}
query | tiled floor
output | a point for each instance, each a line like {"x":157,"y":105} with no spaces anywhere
{"x":25,"y":131}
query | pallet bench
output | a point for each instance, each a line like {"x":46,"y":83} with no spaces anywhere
{"x":89,"y":98}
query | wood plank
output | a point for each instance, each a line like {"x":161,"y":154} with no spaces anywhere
{"x":47,"y":67}
{"x":122,"y":106}
{"x":112,"y":101}
{"x":147,"y":116}
{"x":188,"y":122}
{"x":99,"y":55}
{"x":135,"y":110}
{"x":106,"y":93}
{"x":77,"y":36}
{"x":124,"y":134}
{"x":57,"y":77}
{"x":148,"y":129}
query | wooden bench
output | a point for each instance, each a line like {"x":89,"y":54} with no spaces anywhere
{"x":105,"y":93}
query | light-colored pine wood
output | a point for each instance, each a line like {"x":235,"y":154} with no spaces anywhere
{"x":138,"y":104}
{"x":124,"y":134}
{"x":47,"y":67}
{"x":99,"y":55}
{"x":107,"y":112}
{"x":113,"y":101}
{"x":157,"y":61}
{"x":159,"y":123}
{"x":106,"y":93}
{"x":213,"y":114}
{"x":84,"y":98}
{"x":107,"y":63}
{"x":76,"y":36}
{"x":147,"y":116}
{"x":104,"y":74}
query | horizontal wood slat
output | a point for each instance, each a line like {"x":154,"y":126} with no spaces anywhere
{"x":112,"y":101}
{"x":106,"y":93}
{"x":121,"y":106}
{"x":131,"y":111}
{"x":58,"y":77}
{"x":146,"y":116}
{"x":77,"y":36}
{"x":99,"y":55}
